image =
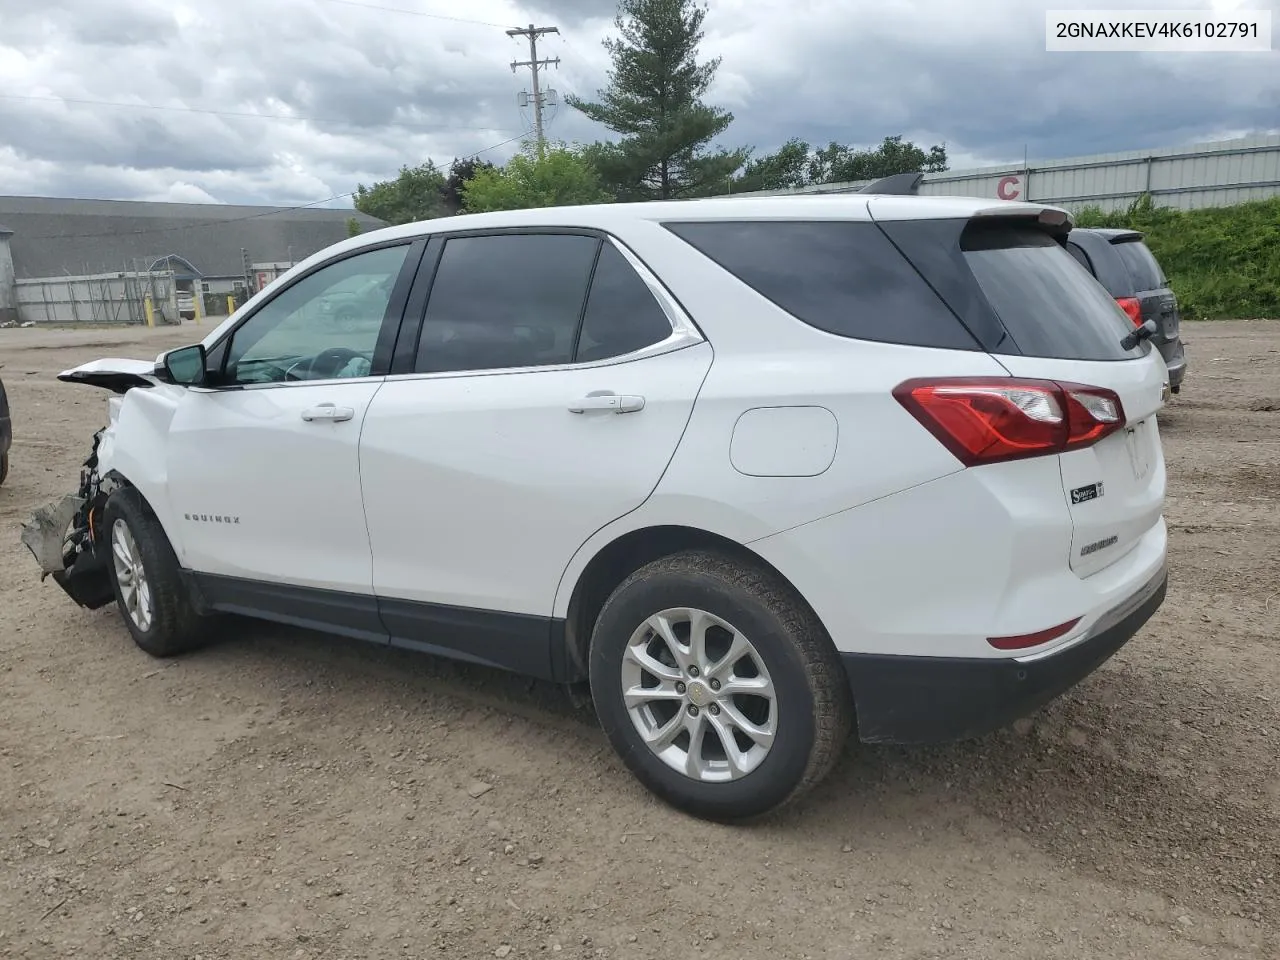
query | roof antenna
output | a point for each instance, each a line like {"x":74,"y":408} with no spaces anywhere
{"x":900,"y":184}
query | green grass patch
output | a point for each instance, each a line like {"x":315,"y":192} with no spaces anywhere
{"x":1222,"y":262}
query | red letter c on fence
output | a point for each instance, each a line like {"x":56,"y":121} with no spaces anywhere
{"x":1007,"y":188}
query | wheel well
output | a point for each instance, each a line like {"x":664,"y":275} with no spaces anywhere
{"x":617,"y":561}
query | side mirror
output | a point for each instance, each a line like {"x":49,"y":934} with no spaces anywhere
{"x":185,"y":366}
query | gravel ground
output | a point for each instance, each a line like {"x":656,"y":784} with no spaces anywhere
{"x":282,"y":794}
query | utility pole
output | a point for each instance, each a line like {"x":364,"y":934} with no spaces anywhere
{"x":533,"y":63}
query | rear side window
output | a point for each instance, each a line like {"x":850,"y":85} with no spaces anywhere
{"x":842,"y":277}
{"x":622,"y":315}
{"x":1046,"y":303}
{"x":1141,"y":264}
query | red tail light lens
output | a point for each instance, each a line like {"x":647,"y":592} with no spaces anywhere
{"x":1025,"y":640}
{"x":1132,"y":308}
{"x":989,"y":420}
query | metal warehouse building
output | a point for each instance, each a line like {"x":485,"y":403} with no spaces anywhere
{"x":65,"y":260}
{"x":1214,"y":174}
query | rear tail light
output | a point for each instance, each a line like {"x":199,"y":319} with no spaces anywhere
{"x":1132,"y":308}
{"x":989,"y":420}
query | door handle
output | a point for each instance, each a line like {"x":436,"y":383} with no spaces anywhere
{"x":618,"y":403}
{"x":327,"y":411}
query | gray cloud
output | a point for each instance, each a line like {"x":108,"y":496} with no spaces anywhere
{"x":385,"y":89}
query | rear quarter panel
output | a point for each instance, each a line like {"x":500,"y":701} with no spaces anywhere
{"x":767,"y":359}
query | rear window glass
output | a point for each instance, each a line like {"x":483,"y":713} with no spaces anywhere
{"x":1080,"y":256}
{"x":1141,"y":264}
{"x":842,"y":277}
{"x":1047,"y":304}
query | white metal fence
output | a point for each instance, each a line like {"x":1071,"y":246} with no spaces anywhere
{"x":99,"y":298}
{"x":1202,"y":175}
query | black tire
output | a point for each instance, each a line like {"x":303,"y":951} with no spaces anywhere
{"x":814,"y":709}
{"x":174,"y":625}
{"x":4,"y":467}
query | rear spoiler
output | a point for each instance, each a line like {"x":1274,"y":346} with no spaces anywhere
{"x":900,"y":185}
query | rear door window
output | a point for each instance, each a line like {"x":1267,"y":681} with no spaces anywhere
{"x":844,"y":277}
{"x":1141,"y":264}
{"x":501,"y":301}
{"x":1046,"y":303}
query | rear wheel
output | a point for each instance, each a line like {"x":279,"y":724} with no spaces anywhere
{"x":717,"y":686}
{"x":4,"y":466}
{"x":147,"y":580}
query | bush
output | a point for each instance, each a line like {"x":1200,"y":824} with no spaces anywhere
{"x":1222,"y":262}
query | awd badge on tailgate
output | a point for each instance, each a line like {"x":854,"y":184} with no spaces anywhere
{"x":1090,"y":492}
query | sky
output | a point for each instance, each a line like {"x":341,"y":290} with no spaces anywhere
{"x":298,"y":101}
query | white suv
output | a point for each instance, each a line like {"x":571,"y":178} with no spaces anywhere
{"x":762,"y":471}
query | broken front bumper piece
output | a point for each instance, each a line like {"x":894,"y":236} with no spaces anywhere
{"x":66,"y":539}
{"x":82,"y":573}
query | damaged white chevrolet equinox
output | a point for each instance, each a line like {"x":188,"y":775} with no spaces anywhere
{"x":763,"y":471}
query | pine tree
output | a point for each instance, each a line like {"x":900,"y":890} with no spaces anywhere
{"x":654,"y":100}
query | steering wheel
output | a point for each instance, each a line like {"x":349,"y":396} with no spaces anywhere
{"x":335,"y":358}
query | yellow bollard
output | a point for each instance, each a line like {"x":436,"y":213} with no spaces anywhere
{"x":150,"y":312}
{"x":231,"y":305}
{"x":198,"y":304}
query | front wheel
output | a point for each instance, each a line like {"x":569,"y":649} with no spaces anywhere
{"x":147,"y":579}
{"x":717,"y":686}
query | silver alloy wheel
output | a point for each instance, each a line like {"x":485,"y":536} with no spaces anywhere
{"x":699,"y":695}
{"x":130,"y":574}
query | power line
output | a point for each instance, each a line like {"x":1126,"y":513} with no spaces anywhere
{"x":216,"y":113}
{"x":519,"y":136}
{"x":416,"y":13}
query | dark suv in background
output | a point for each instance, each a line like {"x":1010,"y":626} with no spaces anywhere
{"x":6,"y":434}
{"x":1125,"y":265}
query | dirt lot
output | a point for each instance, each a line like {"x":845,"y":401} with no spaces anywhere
{"x":282,"y":794}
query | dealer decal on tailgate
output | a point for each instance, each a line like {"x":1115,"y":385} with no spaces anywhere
{"x":1090,"y":492}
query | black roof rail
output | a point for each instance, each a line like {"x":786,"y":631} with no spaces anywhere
{"x":900,"y":184}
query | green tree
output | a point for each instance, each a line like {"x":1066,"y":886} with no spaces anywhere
{"x":556,"y":176}
{"x":837,"y":163}
{"x":353,"y":227}
{"x":788,"y":167}
{"x":654,"y":101}
{"x":415,"y":194}
{"x":459,"y":173}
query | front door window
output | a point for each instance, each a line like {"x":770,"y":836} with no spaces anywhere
{"x":323,"y":327}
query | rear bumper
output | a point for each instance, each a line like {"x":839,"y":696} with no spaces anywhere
{"x":902,"y":699}
{"x":1175,"y":360}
